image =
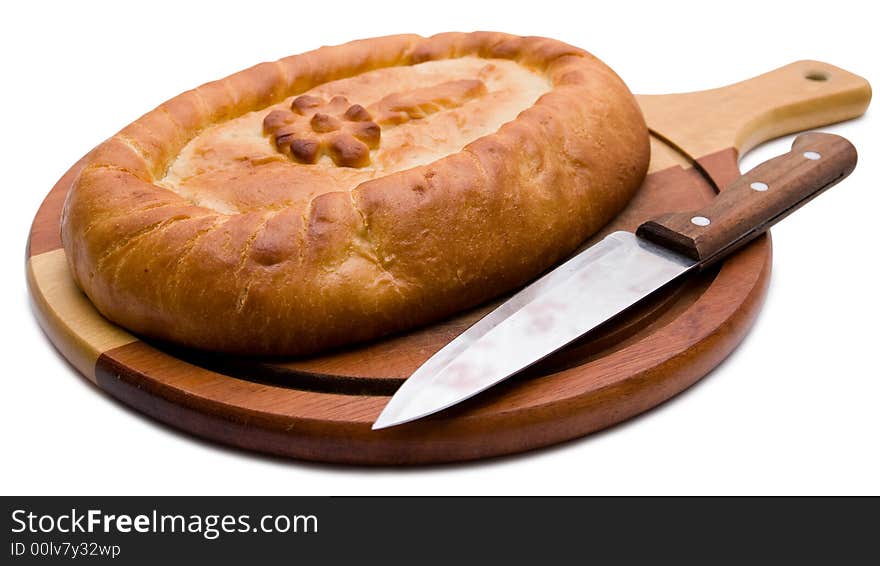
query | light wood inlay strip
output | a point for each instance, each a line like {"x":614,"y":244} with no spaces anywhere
{"x":76,"y":328}
{"x":663,"y":157}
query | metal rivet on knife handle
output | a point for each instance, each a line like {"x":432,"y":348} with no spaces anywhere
{"x":744,"y":210}
{"x":700,"y":221}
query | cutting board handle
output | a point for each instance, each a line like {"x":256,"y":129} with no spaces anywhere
{"x":800,"y":96}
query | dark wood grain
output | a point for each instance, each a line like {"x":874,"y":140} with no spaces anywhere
{"x":45,"y":233}
{"x":720,"y":166}
{"x":750,"y":205}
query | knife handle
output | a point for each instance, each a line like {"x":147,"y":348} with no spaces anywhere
{"x":755,"y":201}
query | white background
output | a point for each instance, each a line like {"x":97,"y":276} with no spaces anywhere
{"x":793,"y":410}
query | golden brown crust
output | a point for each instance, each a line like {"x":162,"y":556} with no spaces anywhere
{"x":396,"y":251}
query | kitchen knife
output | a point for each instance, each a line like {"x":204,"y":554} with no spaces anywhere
{"x":616,"y":273}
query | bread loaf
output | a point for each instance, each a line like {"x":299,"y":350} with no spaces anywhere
{"x":352,"y":191}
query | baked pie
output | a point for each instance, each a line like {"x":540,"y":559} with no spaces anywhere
{"x":352,"y":191}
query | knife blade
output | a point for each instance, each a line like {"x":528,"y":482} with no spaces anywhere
{"x":618,"y":272}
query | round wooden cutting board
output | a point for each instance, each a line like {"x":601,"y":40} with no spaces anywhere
{"x":321,"y":408}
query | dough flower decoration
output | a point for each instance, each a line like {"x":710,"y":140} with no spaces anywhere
{"x":313,"y":127}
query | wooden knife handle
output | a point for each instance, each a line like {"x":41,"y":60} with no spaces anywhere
{"x":757,"y":200}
